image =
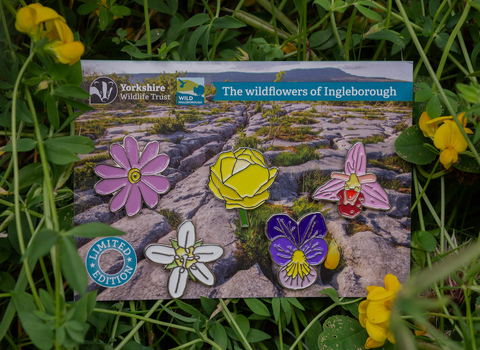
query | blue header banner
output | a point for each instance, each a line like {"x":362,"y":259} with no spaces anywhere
{"x":344,"y":91}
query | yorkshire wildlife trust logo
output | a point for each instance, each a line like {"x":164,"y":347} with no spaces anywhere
{"x":102,"y":278}
{"x":190,"y":91}
{"x":103,"y":91}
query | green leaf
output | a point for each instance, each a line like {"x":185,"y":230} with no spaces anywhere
{"x":76,"y":330}
{"x":7,"y":282}
{"x":311,"y":338}
{"x":467,"y":164}
{"x":409,"y":146}
{"x":426,"y":240}
{"x":228,"y":22}
{"x":389,"y":35}
{"x":423,"y":95}
{"x":327,"y":5}
{"x":23,"y":145}
{"x":85,"y":9}
{"x":58,"y":71}
{"x":332,"y":293}
{"x":30,"y":174}
{"x":469,"y":93}
{"x":195,"y":21}
{"x":296,"y":303}
{"x":52,"y":112}
{"x":434,"y":107}
{"x":73,"y":267}
{"x":369,"y":13}
{"x":104,"y":18}
{"x":257,"y":306}
{"x":441,"y":42}
{"x":74,"y":143}
{"x":94,"y":229}
{"x":255,"y":335}
{"x":242,"y":323}
{"x":220,"y":336}
{"x":120,"y":11}
{"x":192,"y":44}
{"x":155,"y":34}
{"x":41,"y":243}
{"x":340,"y":332}
{"x":77,"y":104}
{"x":276,"y":308}
{"x":157,"y":6}
{"x":70,"y":90}
{"x":287,"y":308}
{"x":60,"y":156}
{"x":320,"y":37}
{"x":40,"y":334}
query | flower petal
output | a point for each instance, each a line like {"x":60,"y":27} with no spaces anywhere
{"x":448,"y":157}
{"x":43,"y":14}
{"x":118,"y":154}
{"x":186,"y":234}
{"x":333,"y":256}
{"x":356,"y":161}
{"x":177,"y":282}
{"x":134,"y":201}
{"x":377,"y":332}
{"x":378,"y":312}
{"x":207,"y":253}
{"x":203,"y":273}
{"x":214,"y":188}
{"x":110,"y":172}
{"x":273,"y":172}
{"x":297,"y":282}
{"x":312,"y":226}
{"x":380,"y":293}
{"x":247,"y":202}
{"x":216,"y":168}
{"x":375,"y":196}
{"x":282,"y":250}
{"x":257,"y":157}
{"x":160,"y":254}
{"x":282,"y":225}
{"x":158,"y":183}
{"x":149,"y":196}
{"x":156,"y":165}
{"x":391,"y":283}
{"x":68,"y":53}
{"x":428,"y":130}
{"x":391,"y":338}
{"x":120,"y":199}
{"x":329,"y":190}
{"x":247,"y":182}
{"x":372,"y":344}
{"x":131,"y":148}
{"x":109,"y":186}
{"x":225,"y":191}
{"x":315,"y":250}
{"x":149,"y":152}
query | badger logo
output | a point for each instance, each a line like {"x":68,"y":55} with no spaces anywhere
{"x":103,"y":90}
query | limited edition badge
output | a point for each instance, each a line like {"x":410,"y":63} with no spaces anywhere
{"x":129,"y":262}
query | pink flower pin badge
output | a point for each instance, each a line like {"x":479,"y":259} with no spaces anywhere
{"x":135,"y":178}
{"x":355,"y":187}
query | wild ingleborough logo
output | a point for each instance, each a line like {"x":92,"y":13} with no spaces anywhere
{"x":103,"y":91}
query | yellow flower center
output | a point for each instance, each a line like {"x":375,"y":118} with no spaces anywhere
{"x":184,"y":257}
{"x":134,"y":175}
{"x":298,"y":265}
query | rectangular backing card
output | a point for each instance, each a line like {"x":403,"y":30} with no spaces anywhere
{"x":244,"y":179}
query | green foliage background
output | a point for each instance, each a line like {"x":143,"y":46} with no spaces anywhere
{"x":39,"y":264}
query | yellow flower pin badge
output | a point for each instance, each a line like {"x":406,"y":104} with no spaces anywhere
{"x":241,"y":178}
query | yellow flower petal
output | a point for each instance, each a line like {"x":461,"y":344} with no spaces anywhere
{"x":214,"y":189}
{"x":428,"y":131}
{"x":380,"y":293}
{"x":216,"y":168}
{"x":450,"y":136}
{"x":378,"y":312}
{"x":257,"y":157}
{"x":248,"y":181}
{"x":248,"y":202}
{"x":239,"y":165}
{"x":438,"y":120}
{"x":25,"y":22}
{"x":68,"y":53}
{"x":448,"y":157}
{"x":272,"y":175}
{"x":226,"y":192}
{"x":362,"y":307}
{"x":362,"y":318}
{"x":378,"y":332}
{"x":43,"y":14}
{"x":370,"y":288}
{"x":333,"y":256}
{"x":390,"y":337}
{"x":391,"y":283}
{"x":226,"y":168}
{"x":372,"y":344}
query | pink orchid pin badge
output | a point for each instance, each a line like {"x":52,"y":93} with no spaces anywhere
{"x":355,"y":187}
{"x":136,"y":177}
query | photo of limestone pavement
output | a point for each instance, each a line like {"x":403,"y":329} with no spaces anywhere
{"x":305,"y":141}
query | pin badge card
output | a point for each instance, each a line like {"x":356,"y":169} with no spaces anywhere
{"x":244,"y":179}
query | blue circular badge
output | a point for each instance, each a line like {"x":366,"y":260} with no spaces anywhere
{"x":93,"y":262}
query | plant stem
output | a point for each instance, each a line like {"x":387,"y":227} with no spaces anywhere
{"x":296,"y":329}
{"x":243,"y":218}
{"x":234,"y":325}
{"x":349,"y":33}
{"x":147,"y":26}
{"x":426,"y":185}
{"x":274,"y":20}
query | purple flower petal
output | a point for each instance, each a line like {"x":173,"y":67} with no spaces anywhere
{"x":149,"y":152}
{"x":329,"y":190}
{"x":134,"y":202}
{"x":282,"y":250}
{"x":356,"y":161}
{"x":375,"y":196}
{"x":157,"y":183}
{"x":156,"y":165}
{"x":315,"y":251}
{"x":118,"y":154}
{"x":109,"y":186}
{"x":282,"y":225}
{"x":131,"y":147}
{"x":120,"y":199}
{"x":311,"y":226}
{"x":110,"y":172}
{"x":297,"y":282}
{"x":149,"y":196}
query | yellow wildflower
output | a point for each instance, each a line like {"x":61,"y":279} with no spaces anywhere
{"x":375,"y":312}
{"x":463,"y":120}
{"x":30,"y":18}
{"x":64,"y":46}
{"x":289,"y":47}
{"x":333,"y":256}
{"x":429,"y":126}
{"x":450,"y":141}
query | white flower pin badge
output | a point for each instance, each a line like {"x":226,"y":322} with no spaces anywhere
{"x":186,"y":257}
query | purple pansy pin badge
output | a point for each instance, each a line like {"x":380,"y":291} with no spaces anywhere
{"x":355,"y":187}
{"x":135,"y":178}
{"x":297,"y":247}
